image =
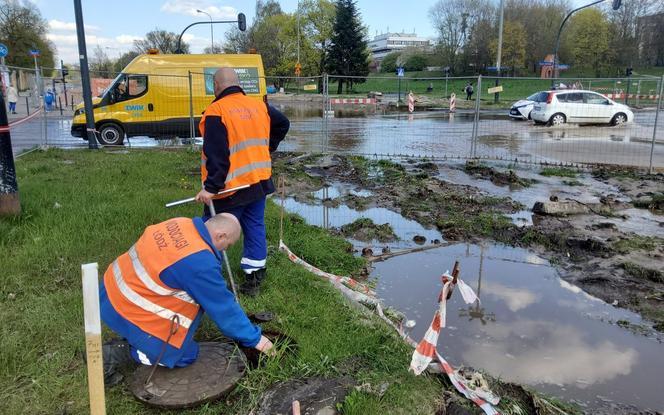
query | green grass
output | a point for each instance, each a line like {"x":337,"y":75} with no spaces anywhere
{"x":558,"y":171}
{"x":636,"y":243}
{"x":106,"y":201}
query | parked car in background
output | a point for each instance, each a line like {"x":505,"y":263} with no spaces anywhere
{"x":521,"y":109}
{"x":579,"y":107}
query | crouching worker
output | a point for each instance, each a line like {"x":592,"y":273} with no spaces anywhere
{"x":154,"y":295}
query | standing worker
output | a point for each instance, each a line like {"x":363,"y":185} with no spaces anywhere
{"x":12,"y":98}
{"x":239,"y":133}
{"x":154,"y":295}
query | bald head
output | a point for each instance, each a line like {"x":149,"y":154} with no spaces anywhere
{"x":224,"y":78}
{"x":224,"y":229}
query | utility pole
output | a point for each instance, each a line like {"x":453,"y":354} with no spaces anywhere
{"x":85,"y":77}
{"x":211,"y":28}
{"x":298,"y":31}
{"x":10,"y":204}
{"x":500,"y":50}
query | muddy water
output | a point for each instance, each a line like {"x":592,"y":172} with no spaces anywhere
{"x":530,"y":327}
{"x":316,"y":213}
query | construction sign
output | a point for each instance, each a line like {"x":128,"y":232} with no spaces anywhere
{"x":298,"y":69}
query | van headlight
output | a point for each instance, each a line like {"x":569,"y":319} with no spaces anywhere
{"x":79,"y":111}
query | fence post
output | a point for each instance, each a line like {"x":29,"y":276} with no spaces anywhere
{"x":43,"y":99}
{"x":192,"y":128}
{"x":27,"y":105}
{"x":476,"y":121}
{"x":654,"y":128}
{"x":638,"y":92}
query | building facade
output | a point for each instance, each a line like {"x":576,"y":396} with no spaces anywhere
{"x":384,"y":44}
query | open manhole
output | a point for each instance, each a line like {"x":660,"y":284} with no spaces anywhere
{"x":216,"y":372}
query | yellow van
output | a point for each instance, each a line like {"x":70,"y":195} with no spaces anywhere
{"x":155,"y":95}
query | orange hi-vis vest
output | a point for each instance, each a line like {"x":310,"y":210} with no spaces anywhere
{"x":248,"y":125}
{"x":134,"y":286}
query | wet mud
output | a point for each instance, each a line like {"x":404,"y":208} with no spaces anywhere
{"x":609,"y":255}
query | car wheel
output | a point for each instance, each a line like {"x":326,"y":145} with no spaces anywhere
{"x":111,"y":134}
{"x":619,"y":119}
{"x":557,"y":119}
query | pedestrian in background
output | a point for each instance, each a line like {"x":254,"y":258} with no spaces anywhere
{"x":239,"y":133}
{"x":469,"y":91}
{"x":12,"y":98}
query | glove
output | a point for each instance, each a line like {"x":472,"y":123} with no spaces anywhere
{"x":265,"y":346}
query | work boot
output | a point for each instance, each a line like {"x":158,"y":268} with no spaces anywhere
{"x":116,"y":355}
{"x":252,"y":282}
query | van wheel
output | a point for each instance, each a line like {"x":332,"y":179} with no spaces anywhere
{"x":557,"y":119}
{"x":619,"y":119}
{"x":111,"y":134}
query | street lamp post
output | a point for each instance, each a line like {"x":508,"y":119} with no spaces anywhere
{"x":500,"y":50}
{"x":615,"y":6}
{"x":211,"y":28}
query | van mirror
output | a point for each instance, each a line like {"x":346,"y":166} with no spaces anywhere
{"x":241,"y":22}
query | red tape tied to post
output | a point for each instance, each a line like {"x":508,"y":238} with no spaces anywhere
{"x":426,"y":351}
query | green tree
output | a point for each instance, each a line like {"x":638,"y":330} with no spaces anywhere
{"x":514,"y":46}
{"x":588,"y":40}
{"x":22,"y":28}
{"x":124,"y":60}
{"x":415,"y":61}
{"x":317,"y":17}
{"x":162,"y":40}
{"x":389,"y":62}
{"x":348,"y":54}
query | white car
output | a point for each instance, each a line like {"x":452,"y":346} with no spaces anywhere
{"x":579,"y":107}
{"x":521,"y":109}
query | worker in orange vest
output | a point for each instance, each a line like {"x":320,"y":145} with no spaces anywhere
{"x":239,"y":133}
{"x":154,"y":295}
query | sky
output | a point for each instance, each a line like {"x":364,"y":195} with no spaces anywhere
{"x":114,"y":25}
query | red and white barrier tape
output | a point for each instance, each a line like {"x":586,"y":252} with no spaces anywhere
{"x":411,"y":102}
{"x":24,"y":119}
{"x":426,"y":351}
{"x":366,"y":101}
{"x":350,"y":282}
{"x":481,"y":398}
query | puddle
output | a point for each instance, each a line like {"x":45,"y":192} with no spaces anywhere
{"x":334,"y":217}
{"x":531,"y":327}
{"x":639,"y":221}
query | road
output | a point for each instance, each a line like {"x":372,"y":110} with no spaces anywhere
{"x":427,"y":134}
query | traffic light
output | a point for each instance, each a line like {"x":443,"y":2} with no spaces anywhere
{"x":241,"y":22}
{"x":65,"y":72}
{"x":616,"y":4}
{"x":628,"y":72}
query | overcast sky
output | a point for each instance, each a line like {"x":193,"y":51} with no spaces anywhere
{"x":113,"y":25}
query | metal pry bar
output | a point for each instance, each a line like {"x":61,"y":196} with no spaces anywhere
{"x":191,"y":199}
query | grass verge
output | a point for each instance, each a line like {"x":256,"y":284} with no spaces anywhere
{"x":83,"y":206}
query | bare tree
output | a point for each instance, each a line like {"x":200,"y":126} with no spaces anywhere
{"x":454,"y":20}
{"x":162,"y":40}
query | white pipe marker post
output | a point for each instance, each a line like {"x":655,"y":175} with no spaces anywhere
{"x":93,"y":338}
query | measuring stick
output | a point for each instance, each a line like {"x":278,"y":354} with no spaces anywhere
{"x":93,"y":338}
{"x":191,"y":199}
{"x":213,"y":212}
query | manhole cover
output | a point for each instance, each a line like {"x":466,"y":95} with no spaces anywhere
{"x":218,"y":368}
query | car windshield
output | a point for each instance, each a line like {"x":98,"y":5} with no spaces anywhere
{"x":539,"y":97}
{"x":533,"y":97}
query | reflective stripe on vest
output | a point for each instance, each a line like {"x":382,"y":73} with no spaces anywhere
{"x":248,"y":127}
{"x":134,"y":286}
